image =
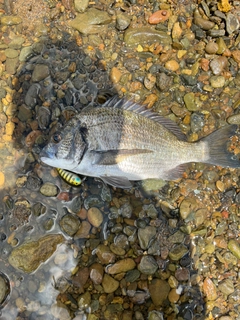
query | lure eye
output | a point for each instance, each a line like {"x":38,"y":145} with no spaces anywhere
{"x":57,"y":137}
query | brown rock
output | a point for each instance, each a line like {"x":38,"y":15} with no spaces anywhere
{"x":123,"y":265}
{"x":159,"y":16}
{"x":209,"y":289}
{"x":159,"y":290}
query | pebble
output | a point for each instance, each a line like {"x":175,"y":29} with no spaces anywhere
{"x":202,"y":23}
{"x":159,"y":290}
{"x":148,"y":265}
{"x":218,"y":65}
{"x":10,"y":20}
{"x":209,"y":289}
{"x":144,"y":35}
{"x":182,"y":274}
{"x":234,"y":119}
{"x":211,"y":47}
{"x":25,"y":53}
{"x":217,"y":81}
{"x":109,"y":284}
{"x":173,"y":296}
{"x":189,"y":100}
{"x":84,"y":300}
{"x":104,"y":254}
{"x":95,"y":217}
{"x":172,"y":65}
{"x":83,"y":231}
{"x":81,"y":5}
{"x":49,"y":189}
{"x":11,"y":65}
{"x":186,"y":207}
{"x":115,"y":75}
{"x":123,"y":265}
{"x":70,"y":224}
{"x":91,"y":21}
{"x":4,"y":288}
{"x":177,"y":252}
{"x":234,"y":247}
{"x":28,"y":256}
{"x":122,"y":21}
{"x":226,"y":286}
{"x":145,"y":236}
{"x":40,"y":72}
{"x":96,"y":273}
{"x":11,"y":53}
{"x":232,"y":23}
{"x":159,"y":16}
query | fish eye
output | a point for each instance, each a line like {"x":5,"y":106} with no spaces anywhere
{"x":57,"y":137}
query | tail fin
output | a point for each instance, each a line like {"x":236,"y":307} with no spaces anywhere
{"x":218,"y":147}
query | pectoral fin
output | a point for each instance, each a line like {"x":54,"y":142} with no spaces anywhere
{"x":119,"y":182}
{"x":113,"y":157}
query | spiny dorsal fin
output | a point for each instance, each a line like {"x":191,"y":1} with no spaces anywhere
{"x":132,"y":106}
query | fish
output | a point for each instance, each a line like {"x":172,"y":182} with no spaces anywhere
{"x":122,"y":141}
{"x":70,"y":177}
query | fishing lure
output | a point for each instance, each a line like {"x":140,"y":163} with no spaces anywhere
{"x":69,"y":177}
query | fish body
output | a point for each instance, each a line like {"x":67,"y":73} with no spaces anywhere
{"x":122,"y":141}
{"x":70,"y":177}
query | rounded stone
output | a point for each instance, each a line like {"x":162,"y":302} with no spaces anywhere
{"x":148,"y":265}
{"x":95,"y":217}
{"x":109,"y":284}
{"x":49,"y":189}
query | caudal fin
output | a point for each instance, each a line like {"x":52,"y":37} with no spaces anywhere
{"x":218,"y":147}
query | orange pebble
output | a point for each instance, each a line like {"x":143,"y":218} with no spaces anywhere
{"x":159,"y":16}
{"x":2,"y":179}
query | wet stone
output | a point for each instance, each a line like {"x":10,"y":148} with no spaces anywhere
{"x":148,"y":265}
{"x":28,"y":256}
{"x":122,"y":21}
{"x":123,"y":265}
{"x":145,"y":236}
{"x":178,"y":252}
{"x":84,"y":300}
{"x":10,"y":20}
{"x":25,"y":53}
{"x":11,"y":65}
{"x":32,"y":95}
{"x":132,"y":275}
{"x":96,"y":273}
{"x":189,"y":100}
{"x":234,"y":119}
{"x":95,"y":217}
{"x":81,"y":5}
{"x":49,"y":189}
{"x":104,"y":254}
{"x":40,"y":72}
{"x":177,"y":237}
{"x":159,"y":290}
{"x":226,"y":286}
{"x":209,"y":289}
{"x":70,"y":224}
{"x":109,"y":284}
{"x":4,"y":288}
{"x":234,"y":247}
{"x":232,"y":23}
{"x":11,"y":53}
{"x":144,"y":35}
{"x":91,"y":21}
{"x":182,"y":274}
{"x":187,"y":206}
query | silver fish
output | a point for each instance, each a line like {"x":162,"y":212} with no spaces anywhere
{"x":121,"y":141}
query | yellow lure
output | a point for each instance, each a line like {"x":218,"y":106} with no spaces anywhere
{"x":69,"y":177}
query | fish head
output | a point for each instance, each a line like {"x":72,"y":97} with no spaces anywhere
{"x":65,"y":149}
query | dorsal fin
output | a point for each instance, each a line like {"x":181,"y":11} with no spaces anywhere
{"x":130,"y":105}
